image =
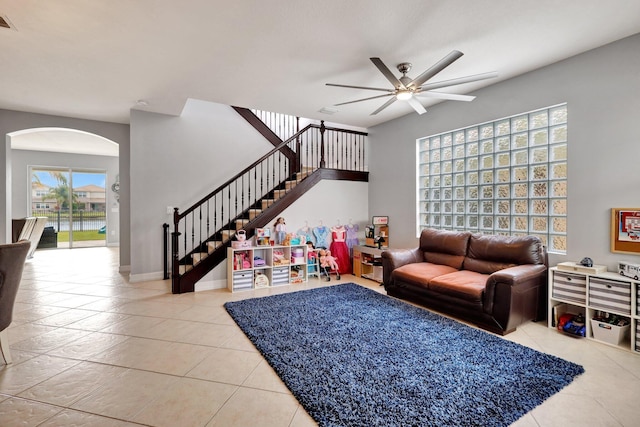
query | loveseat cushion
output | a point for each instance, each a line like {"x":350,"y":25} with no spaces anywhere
{"x":463,"y":284}
{"x":420,"y":273}
{"x":490,"y":253}
{"x":444,"y":247}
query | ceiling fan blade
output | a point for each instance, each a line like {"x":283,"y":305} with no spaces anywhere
{"x":435,"y":69}
{"x":385,"y":105}
{"x":360,"y":87}
{"x":459,"y":81}
{"x":448,"y":96}
{"x":363,"y":99}
{"x":387,"y":73}
{"x":417,"y":105}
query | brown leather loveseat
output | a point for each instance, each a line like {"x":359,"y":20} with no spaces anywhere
{"x":495,"y":282}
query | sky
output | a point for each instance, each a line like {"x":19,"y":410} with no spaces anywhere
{"x":80,"y":179}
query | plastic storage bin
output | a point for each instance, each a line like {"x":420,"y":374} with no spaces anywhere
{"x":608,"y":333}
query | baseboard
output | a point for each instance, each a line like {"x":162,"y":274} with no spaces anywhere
{"x":207,"y":285}
{"x":145,"y":277}
{"x":202,"y":285}
{"x":124,"y":269}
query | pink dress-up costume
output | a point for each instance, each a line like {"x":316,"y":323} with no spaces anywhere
{"x":340,"y":250}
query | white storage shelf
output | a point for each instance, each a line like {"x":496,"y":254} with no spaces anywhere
{"x":590,"y":293}
{"x":280,"y":265}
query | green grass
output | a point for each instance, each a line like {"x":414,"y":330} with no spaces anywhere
{"x":81,"y":236}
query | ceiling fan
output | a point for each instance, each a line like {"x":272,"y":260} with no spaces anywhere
{"x":407,"y":89}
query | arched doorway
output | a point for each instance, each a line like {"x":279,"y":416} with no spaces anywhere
{"x":66,"y":175}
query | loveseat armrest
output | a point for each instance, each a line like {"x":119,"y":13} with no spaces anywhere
{"x":512,"y":295}
{"x":394,"y":258}
{"x":519,"y":274}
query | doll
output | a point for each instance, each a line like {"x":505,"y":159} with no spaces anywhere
{"x":280,"y":230}
{"x":328,"y":263}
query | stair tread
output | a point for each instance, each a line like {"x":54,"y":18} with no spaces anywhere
{"x":240,"y":223}
{"x":212,"y":245}
{"x":198,"y":256}
{"x":184,"y":268}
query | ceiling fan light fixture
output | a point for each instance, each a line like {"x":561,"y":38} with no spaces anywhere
{"x":404,"y":95}
{"x":408,"y":90}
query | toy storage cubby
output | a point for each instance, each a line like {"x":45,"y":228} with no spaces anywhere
{"x":265,"y":266}
{"x":599,"y":296}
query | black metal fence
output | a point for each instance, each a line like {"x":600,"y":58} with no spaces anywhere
{"x":79,"y":220}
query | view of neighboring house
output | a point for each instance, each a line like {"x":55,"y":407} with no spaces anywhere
{"x":89,"y":198}
{"x":41,"y":198}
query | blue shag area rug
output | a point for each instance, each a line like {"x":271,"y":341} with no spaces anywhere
{"x":355,"y":357}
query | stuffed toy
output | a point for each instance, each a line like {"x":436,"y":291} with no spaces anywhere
{"x":328,"y":263}
{"x":289,"y":239}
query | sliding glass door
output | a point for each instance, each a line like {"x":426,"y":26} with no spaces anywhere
{"x":74,"y":201}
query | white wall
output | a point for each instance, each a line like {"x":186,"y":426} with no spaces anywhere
{"x":330,"y":202}
{"x":602,"y":89}
{"x":22,"y":159}
{"x":13,"y":121}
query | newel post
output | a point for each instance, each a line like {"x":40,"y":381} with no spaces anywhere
{"x":298,"y":147}
{"x":175,"y":267}
{"x":322,"y":129}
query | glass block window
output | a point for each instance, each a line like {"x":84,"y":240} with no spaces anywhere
{"x":504,"y":177}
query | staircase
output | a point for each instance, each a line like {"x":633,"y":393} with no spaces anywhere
{"x":258,"y":194}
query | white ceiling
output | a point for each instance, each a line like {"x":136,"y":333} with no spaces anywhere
{"x":95,"y":59}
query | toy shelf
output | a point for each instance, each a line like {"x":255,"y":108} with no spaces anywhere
{"x":265,"y":266}
{"x":599,"y":296}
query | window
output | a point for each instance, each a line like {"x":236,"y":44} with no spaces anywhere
{"x":504,"y":177}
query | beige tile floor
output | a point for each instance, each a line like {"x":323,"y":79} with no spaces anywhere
{"x":91,"y":349}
